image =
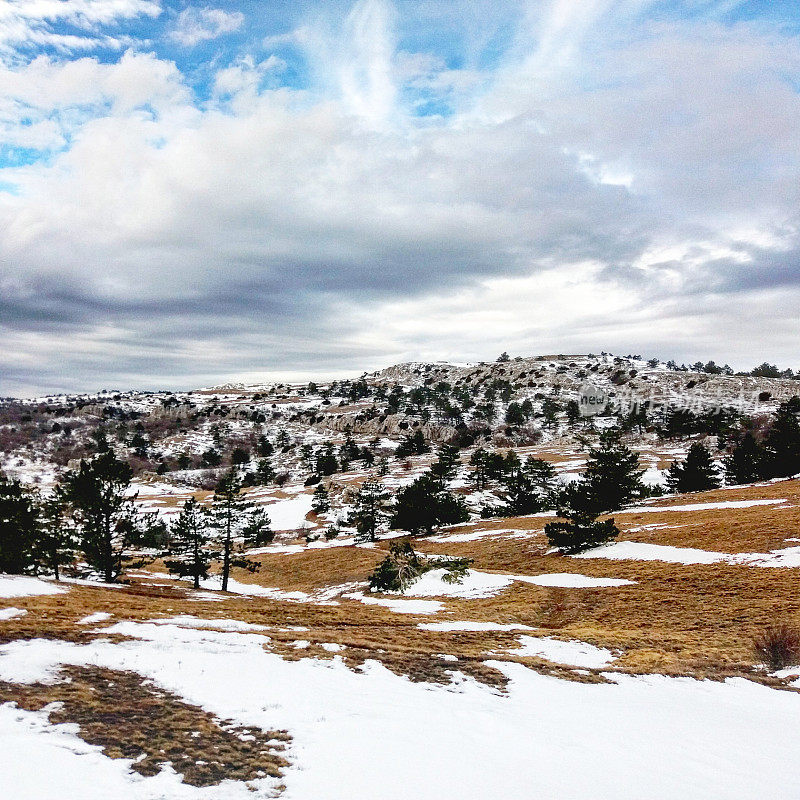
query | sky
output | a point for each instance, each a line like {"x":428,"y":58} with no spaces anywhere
{"x":242,"y":191}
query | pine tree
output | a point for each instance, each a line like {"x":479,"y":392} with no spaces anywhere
{"x":782,"y":442}
{"x":104,"y":511}
{"x":425,"y":504}
{"x":582,"y":530}
{"x":228,"y":515}
{"x":370,"y":510}
{"x":697,"y":473}
{"x":478,"y":460}
{"x":448,"y":462}
{"x":573,"y":412}
{"x":745,"y":464}
{"x":612,"y":475}
{"x":326,"y":462}
{"x":256,"y":529}
{"x":413,"y":445}
{"x":321,"y":503}
{"x":56,"y":540}
{"x":19,"y":524}
{"x":190,"y":552}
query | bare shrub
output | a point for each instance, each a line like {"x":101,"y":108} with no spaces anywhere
{"x":778,"y":646}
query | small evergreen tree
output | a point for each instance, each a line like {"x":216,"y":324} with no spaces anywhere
{"x":190,"y":552}
{"x":401,"y":567}
{"x":56,"y":540}
{"x":782,"y":442}
{"x":227,"y":515}
{"x":256,"y":529}
{"x":413,"y":445}
{"x":447,"y":464}
{"x":745,"y":464}
{"x":697,"y":473}
{"x":425,"y":504}
{"x":514,"y":414}
{"x":321,"y":503}
{"x":478,"y":460}
{"x":327,"y":464}
{"x":581,"y":530}
{"x":612,"y":475}
{"x":370,"y":510}
{"x":573,"y":412}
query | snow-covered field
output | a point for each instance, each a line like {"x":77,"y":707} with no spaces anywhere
{"x":373,"y":734}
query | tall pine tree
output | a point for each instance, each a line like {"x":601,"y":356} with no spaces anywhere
{"x":229,"y":514}
{"x":782,"y":442}
{"x":697,"y":473}
{"x":98,"y":493}
{"x":190,"y":551}
{"x":612,"y":475}
{"x":370,"y":510}
{"x":745,"y":464}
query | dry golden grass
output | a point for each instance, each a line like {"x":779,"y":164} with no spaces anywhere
{"x":133,"y":719}
{"x":696,"y":620}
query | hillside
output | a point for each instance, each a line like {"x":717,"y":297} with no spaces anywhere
{"x":546,"y":673}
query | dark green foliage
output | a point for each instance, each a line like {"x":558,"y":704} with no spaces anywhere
{"x":19,"y":526}
{"x":370,"y":510}
{"x":679,"y":422}
{"x":264,"y":447}
{"x":212,"y":458}
{"x":531,"y":488}
{"x":550,"y":409}
{"x":264,"y":471}
{"x":766,"y":370}
{"x":745,"y":464}
{"x":581,"y":530}
{"x":697,"y":473}
{"x":612,"y":476}
{"x":326,"y":461}
{"x":782,"y":442}
{"x":104,"y":512}
{"x":56,"y":540}
{"x":447,"y":464}
{"x":228,"y":515}
{"x":573,"y":412}
{"x":240,"y":455}
{"x":425,"y":504}
{"x":514,"y":414}
{"x":255,"y":527}
{"x":401,"y":567}
{"x":190,"y":553}
{"x":321,"y":502}
{"x":413,"y":445}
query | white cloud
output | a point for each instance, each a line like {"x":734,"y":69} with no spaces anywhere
{"x":28,"y":24}
{"x":637,"y":199}
{"x":194,"y":25}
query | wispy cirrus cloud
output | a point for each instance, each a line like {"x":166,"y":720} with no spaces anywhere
{"x":29,"y":24}
{"x":194,"y":25}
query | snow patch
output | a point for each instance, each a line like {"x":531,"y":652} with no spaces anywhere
{"x":25,"y":586}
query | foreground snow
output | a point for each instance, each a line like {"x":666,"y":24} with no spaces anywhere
{"x":374,"y":734}
{"x":574,"y":653}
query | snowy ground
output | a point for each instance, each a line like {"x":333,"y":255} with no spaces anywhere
{"x":374,"y":734}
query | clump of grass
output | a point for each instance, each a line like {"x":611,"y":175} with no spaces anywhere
{"x":778,"y":646}
{"x":134,"y":719}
